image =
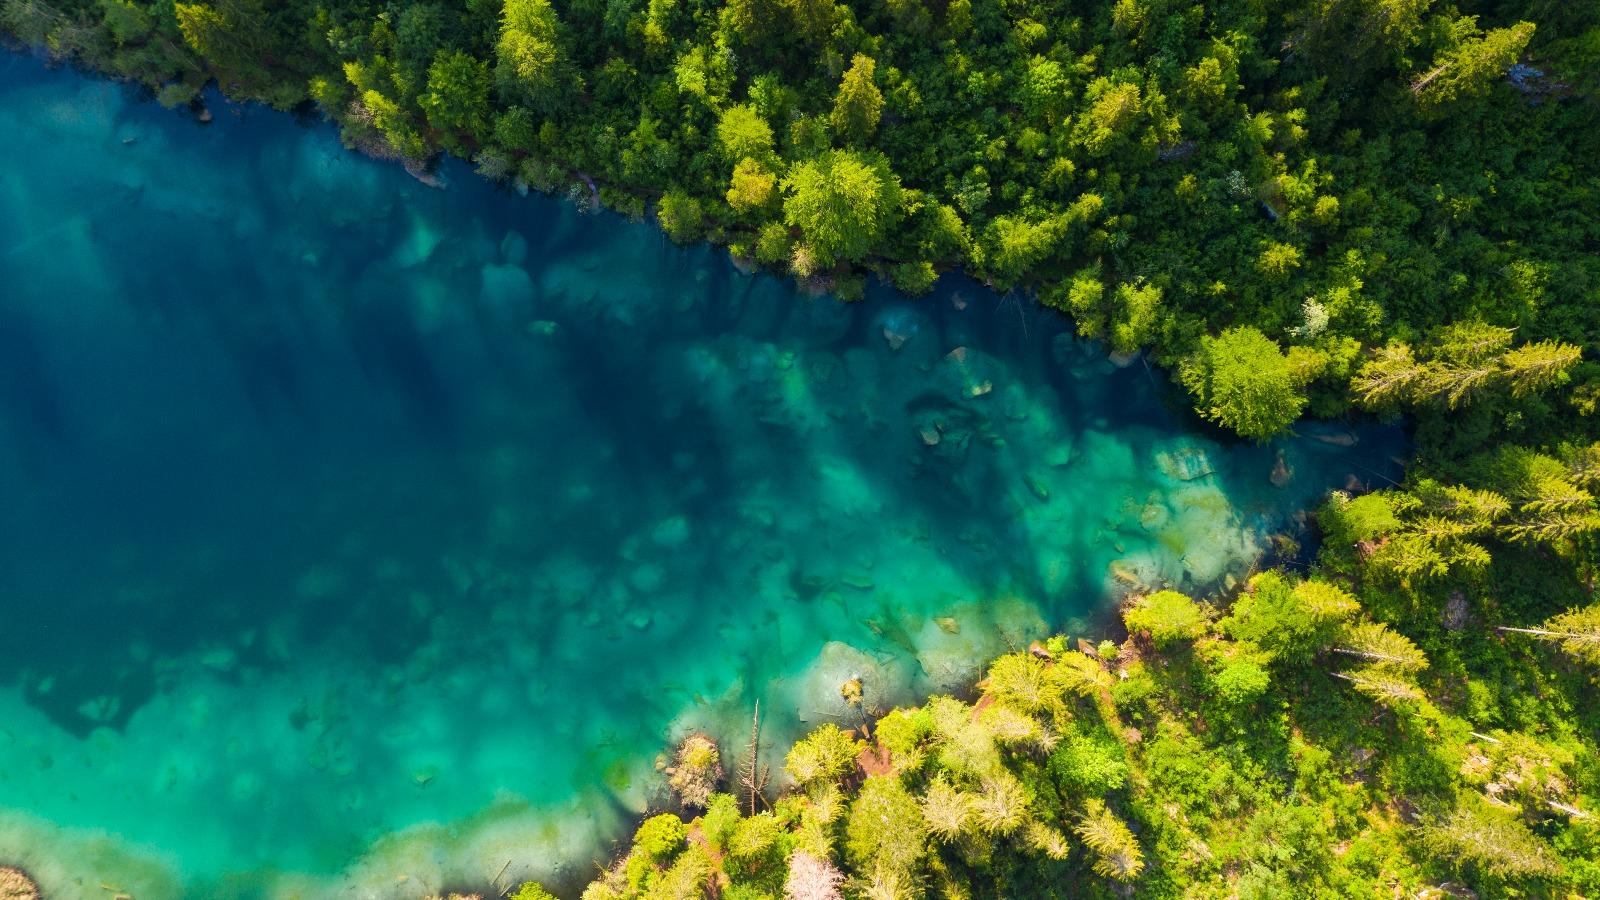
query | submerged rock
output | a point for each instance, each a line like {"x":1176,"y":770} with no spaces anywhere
{"x":1281,"y":473}
{"x":16,"y":885}
{"x":883,"y":681}
{"x":1184,"y":461}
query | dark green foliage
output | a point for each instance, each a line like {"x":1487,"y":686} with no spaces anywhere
{"x":1349,"y":179}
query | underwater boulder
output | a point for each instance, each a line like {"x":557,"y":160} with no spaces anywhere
{"x":884,"y":680}
{"x":16,"y":885}
{"x":1184,"y":459}
{"x":899,"y":324}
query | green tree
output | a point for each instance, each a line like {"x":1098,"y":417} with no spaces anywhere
{"x":1167,"y":616}
{"x":843,"y":202}
{"x":1468,"y":69}
{"x":233,"y":35}
{"x":859,"y":103}
{"x":885,"y":828}
{"x":1116,"y":852}
{"x":457,"y":98}
{"x":529,"y":57}
{"x":1532,"y":368}
{"x":751,"y":186}
{"x":1374,"y":642}
{"x":826,"y":754}
{"x":1576,"y":632}
{"x":1491,"y":841}
{"x":1242,"y":380}
{"x":743,"y":133}
{"x":1289,"y":620}
{"x":680,"y":216}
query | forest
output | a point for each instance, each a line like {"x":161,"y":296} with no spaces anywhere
{"x":1321,"y":208}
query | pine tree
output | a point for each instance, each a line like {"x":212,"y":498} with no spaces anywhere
{"x":1385,"y":684}
{"x":1469,"y":69}
{"x":1116,"y":853}
{"x":1490,"y":841}
{"x":1374,"y":641}
{"x":1001,"y":804}
{"x":1535,"y":367}
{"x":529,"y":52}
{"x":1576,"y":631}
{"x":859,"y":102}
{"x":1391,"y":377}
{"x":946,"y":809}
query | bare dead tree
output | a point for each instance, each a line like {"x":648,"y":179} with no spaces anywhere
{"x":753,"y":776}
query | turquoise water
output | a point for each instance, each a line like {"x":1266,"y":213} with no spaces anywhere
{"x":360,"y":538}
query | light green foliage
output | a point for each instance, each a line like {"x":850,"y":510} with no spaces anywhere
{"x":754,"y":836}
{"x":1576,"y":632}
{"x":842,"y":202}
{"x":1020,"y":680}
{"x":660,"y":837}
{"x":1167,"y":616}
{"x":1348,"y":521}
{"x":742,"y":133}
{"x":751,"y":187}
{"x":1115,"y":108}
{"x":885,"y":829}
{"x":1137,"y":312}
{"x":826,"y":754}
{"x":528,"y":51}
{"x":1474,"y":836}
{"x":1376,"y":644}
{"x":1463,"y":363}
{"x":1467,"y":70}
{"x":1288,"y":619}
{"x":532,"y":890}
{"x":1242,"y":380}
{"x":720,"y":820}
{"x":680,"y":216}
{"x":859,"y":103}
{"x":1116,"y":852}
{"x":1240,"y":679}
{"x":1000,"y":804}
{"x":946,"y":810}
{"x":904,"y":731}
{"x":964,"y":745}
{"x":658,"y":840}
{"x":1094,"y":766}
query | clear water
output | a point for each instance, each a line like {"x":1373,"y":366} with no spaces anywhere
{"x":359,"y":538}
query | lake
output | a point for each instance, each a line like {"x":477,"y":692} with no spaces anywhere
{"x":360,"y":538}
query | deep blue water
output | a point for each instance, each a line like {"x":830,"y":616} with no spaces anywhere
{"x":357,"y":537}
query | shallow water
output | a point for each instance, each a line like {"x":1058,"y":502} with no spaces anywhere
{"x":359,"y":538}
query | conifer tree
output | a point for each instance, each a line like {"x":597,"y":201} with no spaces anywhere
{"x":1116,"y":852}
{"x":1373,"y":641}
{"x":529,"y":53}
{"x":1490,"y":840}
{"x":1576,"y":631}
{"x":1468,"y":69}
{"x":859,"y":103}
